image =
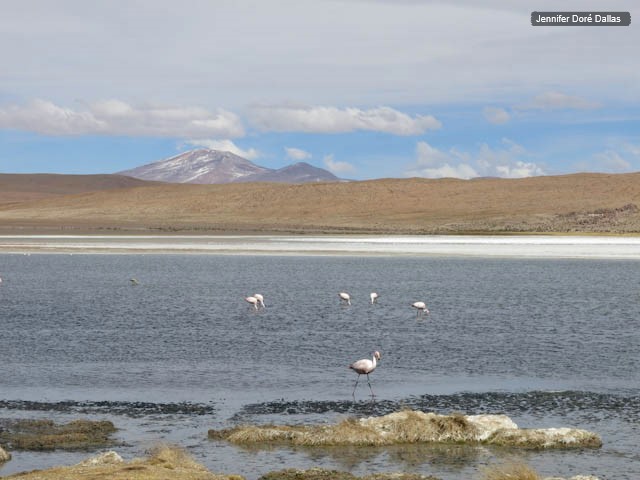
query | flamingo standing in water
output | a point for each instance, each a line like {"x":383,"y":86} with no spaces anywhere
{"x":421,"y":308}
{"x":253,"y":301}
{"x":374,"y":297}
{"x":365,"y":367}
{"x":346,"y":297}
{"x":260,"y":299}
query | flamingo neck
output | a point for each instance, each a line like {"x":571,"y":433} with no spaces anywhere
{"x":374,"y":360}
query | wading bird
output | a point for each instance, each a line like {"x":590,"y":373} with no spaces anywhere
{"x":421,"y":308}
{"x":365,"y":367}
{"x":346,"y":297}
{"x":260,"y":299}
{"x":253,"y":301}
{"x":374,"y":297}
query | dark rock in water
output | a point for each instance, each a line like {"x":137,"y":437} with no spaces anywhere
{"x":129,"y":409}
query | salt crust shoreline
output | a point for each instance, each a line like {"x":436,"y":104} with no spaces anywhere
{"x":521,"y":246}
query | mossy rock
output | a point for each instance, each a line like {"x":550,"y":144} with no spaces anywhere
{"x":409,"y":427}
{"x":41,"y":435}
{"x":4,"y":456}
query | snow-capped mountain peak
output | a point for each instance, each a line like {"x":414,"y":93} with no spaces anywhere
{"x":214,"y":166}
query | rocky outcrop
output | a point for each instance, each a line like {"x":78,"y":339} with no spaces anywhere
{"x":487,"y":429}
{"x":576,"y":477}
{"x":545,"y":438}
{"x":106,"y":458}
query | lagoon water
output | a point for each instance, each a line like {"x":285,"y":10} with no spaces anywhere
{"x":549,"y":342}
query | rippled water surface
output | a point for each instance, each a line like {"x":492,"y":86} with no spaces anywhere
{"x":548,"y":342}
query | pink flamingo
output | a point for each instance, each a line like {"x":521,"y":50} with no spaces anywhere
{"x":421,"y":307}
{"x":365,"y":367}
{"x":260,"y":299}
{"x":374,"y":297}
{"x":346,"y":297}
{"x":253,"y":301}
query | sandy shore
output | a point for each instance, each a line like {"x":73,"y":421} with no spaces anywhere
{"x":533,"y":246}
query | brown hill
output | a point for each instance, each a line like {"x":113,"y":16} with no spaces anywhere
{"x":15,"y":187}
{"x":568,"y":203}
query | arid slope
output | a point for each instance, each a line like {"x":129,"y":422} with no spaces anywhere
{"x":16,"y":187}
{"x":569,"y":203}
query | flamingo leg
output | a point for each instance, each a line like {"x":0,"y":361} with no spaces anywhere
{"x":372,"y":394}
{"x":354,"y":387}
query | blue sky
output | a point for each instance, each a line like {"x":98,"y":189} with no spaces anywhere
{"x":366,"y":89}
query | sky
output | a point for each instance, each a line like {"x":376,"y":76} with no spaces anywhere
{"x":365,"y":89}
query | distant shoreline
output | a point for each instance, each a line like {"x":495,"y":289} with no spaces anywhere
{"x":510,"y":246}
{"x":302,"y":231}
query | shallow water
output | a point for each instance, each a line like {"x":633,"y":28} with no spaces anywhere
{"x":549,"y":342}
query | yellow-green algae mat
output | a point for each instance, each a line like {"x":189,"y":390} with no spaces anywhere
{"x":410,"y":426}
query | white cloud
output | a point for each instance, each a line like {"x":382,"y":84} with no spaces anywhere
{"x":296,"y":153}
{"x":287,"y":51}
{"x":518,"y":169}
{"x":429,"y":156}
{"x":47,"y":118}
{"x":337,"y":167}
{"x":328,"y":119}
{"x":226,"y":146}
{"x":513,"y":147}
{"x":461,"y":170}
{"x":112,"y":109}
{"x":115,"y":117}
{"x":434,"y":163}
{"x":495,"y":115}
{"x":504,"y":161}
{"x":558,"y":101}
{"x":632,"y":149}
{"x":611,"y":161}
